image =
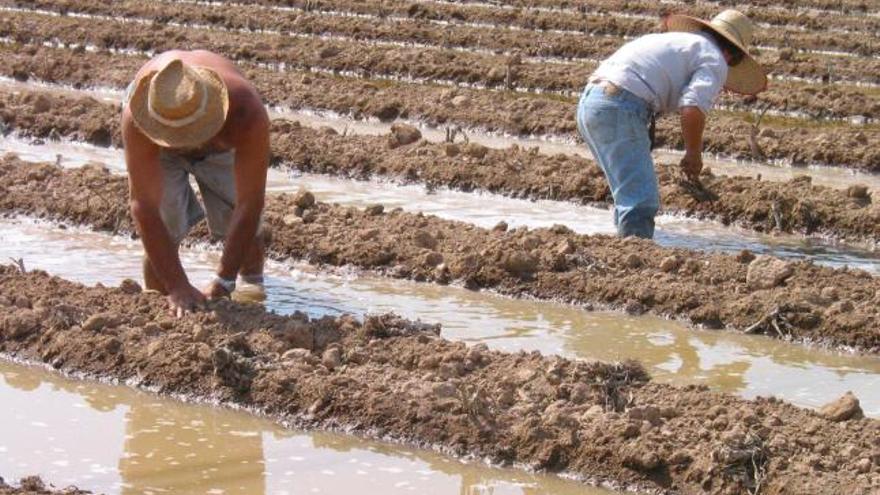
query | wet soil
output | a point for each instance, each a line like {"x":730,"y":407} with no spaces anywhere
{"x":797,"y":301}
{"x":846,"y":14}
{"x":823,"y":101}
{"x":391,"y":378}
{"x":583,"y":19}
{"x":407,"y":29}
{"x":794,"y":206}
{"x":35,"y":486}
{"x":851,"y":146}
{"x":424,"y":63}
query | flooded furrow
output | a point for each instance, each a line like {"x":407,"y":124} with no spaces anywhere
{"x":139,"y":443}
{"x":829,"y":176}
{"x":750,"y":366}
{"x":487,"y":210}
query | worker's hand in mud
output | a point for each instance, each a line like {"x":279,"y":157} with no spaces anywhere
{"x":185,"y":299}
{"x":215,"y":291}
{"x":691,"y":165}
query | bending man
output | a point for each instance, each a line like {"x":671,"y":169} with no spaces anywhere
{"x":193,"y":113}
{"x":681,"y":70}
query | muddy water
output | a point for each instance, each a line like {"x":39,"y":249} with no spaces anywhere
{"x":486,"y":210}
{"x":746,"y":365}
{"x":836,"y":177}
{"x":113,"y":439}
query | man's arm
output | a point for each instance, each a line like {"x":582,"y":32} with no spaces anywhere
{"x":251,"y":166}
{"x":693,"y":121}
{"x":145,"y":178}
{"x":696,"y":99}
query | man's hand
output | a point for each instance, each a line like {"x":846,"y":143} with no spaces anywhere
{"x":185,"y":299}
{"x":215,"y":290}
{"x":693,"y":121}
{"x":691,"y":165}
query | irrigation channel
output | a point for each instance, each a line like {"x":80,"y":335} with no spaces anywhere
{"x":830,"y":176}
{"x":138,"y":443}
{"x":489,"y":209}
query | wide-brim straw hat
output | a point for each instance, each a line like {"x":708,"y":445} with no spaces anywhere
{"x":746,"y":77}
{"x":180,"y":105}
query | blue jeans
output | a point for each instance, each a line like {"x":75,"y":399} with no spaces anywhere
{"x":615,"y":128}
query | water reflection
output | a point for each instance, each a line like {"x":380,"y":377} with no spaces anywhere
{"x":118,"y":440}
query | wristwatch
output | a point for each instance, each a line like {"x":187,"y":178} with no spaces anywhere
{"x":227,"y":284}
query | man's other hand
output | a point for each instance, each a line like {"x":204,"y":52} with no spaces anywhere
{"x":185,"y":299}
{"x":215,"y":290}
{"x":691,"y":165}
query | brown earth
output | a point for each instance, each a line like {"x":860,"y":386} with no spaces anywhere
{"x":846,"y":13}
{"x":390,"y":378}
{"x":519,"y":114}
{"x":797,"y":301}
{"x":35,"y":486}
{"x":427,"y":63}
{"x":816,"y":101}
{"x":794,"y":206}
{"x":528,"y":42}
{"x":581,"y":19}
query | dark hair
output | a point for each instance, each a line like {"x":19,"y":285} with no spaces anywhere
{"x":735,"y":53}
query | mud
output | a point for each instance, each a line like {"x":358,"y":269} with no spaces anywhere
{"x":826,"y":101}
{"x":797,"y":301}
{"x":350,"y":55}
{"x":852,"y":146}
{"x":842,"y":14}
{"x":794,"y":206}
{"x":405,"y":29}
{"x":35,"y":486}
{"x":584,"y":18}
{"x":390,"y":378}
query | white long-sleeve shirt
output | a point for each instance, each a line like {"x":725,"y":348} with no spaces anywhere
{"x":668,"y":70}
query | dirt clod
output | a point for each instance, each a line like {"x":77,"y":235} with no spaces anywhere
{"x":476,"y":150}
{"x":331,"y":358}
{"x":843,"y":409}
{"x":402,"y":135}
{"x":304,"y":199}
{"x":130,"y":286}
{"x":857,"y":191}
{"x":766,"y":272}
{"x":374,"y":210}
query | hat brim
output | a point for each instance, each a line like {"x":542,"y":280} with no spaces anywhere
{"x":191,"y":135}
{"x":747,"y":77}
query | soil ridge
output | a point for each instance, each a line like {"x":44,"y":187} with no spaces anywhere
{"x":795,"y":206}
{"x":797,"y":301}
{"x":511,"y":112}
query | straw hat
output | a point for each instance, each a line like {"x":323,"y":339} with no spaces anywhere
{"x":180,"y":105}
{"x":746,"y":77}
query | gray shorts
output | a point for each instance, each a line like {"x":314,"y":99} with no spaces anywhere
{"x":181,"y":209}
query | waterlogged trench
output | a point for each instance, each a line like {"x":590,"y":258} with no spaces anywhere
{"x":113,"y":439}
{"x":673,"y":352}
{"x":830,"y":176}
{"x":486,"y":209}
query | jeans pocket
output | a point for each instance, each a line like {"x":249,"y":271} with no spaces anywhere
{"x":634,"y":128}
{"x":601,"y":124}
